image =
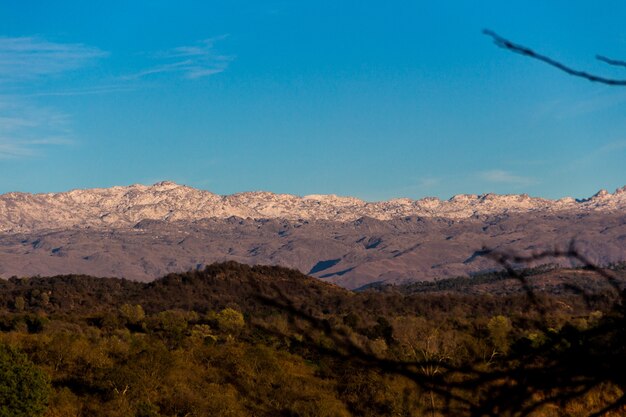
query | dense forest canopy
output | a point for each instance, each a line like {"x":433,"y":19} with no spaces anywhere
{"x":236,"y":340}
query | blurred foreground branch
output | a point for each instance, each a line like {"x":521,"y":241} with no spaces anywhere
{"x":523,"y":50}
{"x":569,"y":364}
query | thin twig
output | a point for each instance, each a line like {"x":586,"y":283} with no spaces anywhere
{"x":523,"y":50}
{"x":610,"y":61}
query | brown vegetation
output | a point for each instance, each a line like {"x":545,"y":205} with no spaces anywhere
{"x":235,"y":340}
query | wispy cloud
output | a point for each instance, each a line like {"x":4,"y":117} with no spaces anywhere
{"x":618,"y":145}
{"x":193,"y":61}
{"x":82,"y":92}
{"x":25,"y":58}
{"x":566,"y":108}
{"x":25,"y":129}
{"x":505,"y":177}
{"x":607,"y":151}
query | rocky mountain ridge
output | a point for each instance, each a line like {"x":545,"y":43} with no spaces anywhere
{"x":124,"y":207}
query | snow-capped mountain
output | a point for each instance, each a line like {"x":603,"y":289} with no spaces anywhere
{"x":123,"y":207}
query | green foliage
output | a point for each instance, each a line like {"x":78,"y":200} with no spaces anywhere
{"x":171,"y":325}
{"x":120,"y":349}
{"x":230,"y":320}
{"x":203,"y":333}
{"x":499,"y":329}
{"x":19,"y":303}
{"x":24,"y":388}
{"x":133,"y":314}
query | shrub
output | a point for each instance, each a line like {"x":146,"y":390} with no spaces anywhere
{"x":230,"y":320}
{"x":24,"y":388}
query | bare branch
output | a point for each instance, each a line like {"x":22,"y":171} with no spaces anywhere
{"x":564,"y":368}
{"x":522,"y":50}
{"x":610,"y":61}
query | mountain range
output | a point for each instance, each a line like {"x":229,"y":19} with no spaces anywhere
{"x":143,"y":232}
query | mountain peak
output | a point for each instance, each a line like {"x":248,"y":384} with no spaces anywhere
{"x":602,"y":194}
{"x":119,"y":207}
{"x":166,"y":185}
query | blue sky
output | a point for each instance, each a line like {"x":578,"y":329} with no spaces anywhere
{"x":363,"y":98}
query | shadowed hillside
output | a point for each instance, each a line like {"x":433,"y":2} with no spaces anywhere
{"x":232,"y":339}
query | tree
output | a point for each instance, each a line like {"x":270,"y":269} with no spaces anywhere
{"x":230,"y":320}
{"x":19,"y":303}
{"x":24,"y":388}
{"x":499,"y":329}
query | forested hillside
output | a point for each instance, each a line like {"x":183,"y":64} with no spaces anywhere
{"x":235,"y":340}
